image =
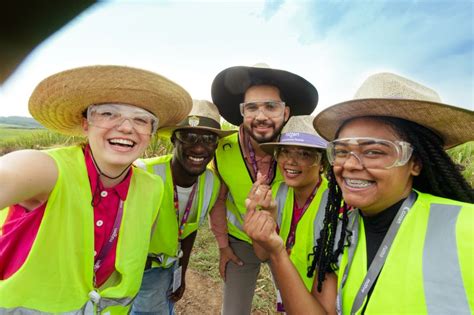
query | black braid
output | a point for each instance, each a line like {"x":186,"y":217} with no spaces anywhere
{"x":323,"y":255}
{"x":439,"y":176}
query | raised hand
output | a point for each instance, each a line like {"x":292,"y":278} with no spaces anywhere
{"x":260,"y":196}
{"x":260,"y":226}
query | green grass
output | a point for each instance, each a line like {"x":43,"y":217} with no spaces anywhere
{"x":12,"y":139}
{"x":8,"y":132}
{"x":464,"y":156}
{"x":205,"y":260}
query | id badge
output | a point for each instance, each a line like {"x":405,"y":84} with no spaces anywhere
{"x":279,"y":304}
{"x":177,"y":273}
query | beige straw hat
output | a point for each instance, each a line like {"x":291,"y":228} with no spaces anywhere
{"x":387,"y":94}
{"x":58,"y":102}
{"x":229,"y":86}
{"x":204,"y":115}
{"x":298,"y":131}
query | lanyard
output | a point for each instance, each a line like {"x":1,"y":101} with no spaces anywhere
{"x":187,"y":210}
{"x":290,"y":241}
{"x":253,"y":161}
{"x":113,"y":235}
{"x":379,"y":259}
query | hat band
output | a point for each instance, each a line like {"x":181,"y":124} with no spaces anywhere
{"x":302,"y":138}
{"x":199,"y":121}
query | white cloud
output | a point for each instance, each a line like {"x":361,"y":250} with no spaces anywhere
{"x":334,"y":45}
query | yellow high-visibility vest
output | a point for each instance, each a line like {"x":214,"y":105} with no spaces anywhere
{"x":57,"y":276}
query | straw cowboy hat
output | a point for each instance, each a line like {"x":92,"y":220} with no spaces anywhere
{"x":204,"y":115}
{"x":229,"y":86}
{"x":298,"y":131}
{"x":58,"y":102}
{"x":387,"y":94}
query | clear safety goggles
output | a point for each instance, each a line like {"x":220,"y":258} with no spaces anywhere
{"x":113,"y":115}
{"x":371,"y":153}
{"x":305,"y":157}
{"x":270,"y":109}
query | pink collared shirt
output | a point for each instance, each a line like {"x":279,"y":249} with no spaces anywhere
{"x":21,"y":226}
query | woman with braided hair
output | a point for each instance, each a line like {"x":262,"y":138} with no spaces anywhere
{"x":406,"y":247}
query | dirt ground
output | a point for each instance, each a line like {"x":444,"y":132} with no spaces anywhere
{"x":197,"y":287}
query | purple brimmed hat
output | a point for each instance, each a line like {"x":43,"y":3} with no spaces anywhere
{"x":298,"y":131}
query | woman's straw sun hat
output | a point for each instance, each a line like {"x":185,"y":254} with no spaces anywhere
{"x":59,"y":101}
{"x":387,"y":94}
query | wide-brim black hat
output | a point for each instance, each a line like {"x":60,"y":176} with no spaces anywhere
{"x":229,"y":86}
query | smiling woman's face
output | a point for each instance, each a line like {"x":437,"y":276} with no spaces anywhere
{"x":300,"y":166}
{"x":373,"y":190}
{"x":115,"y":144}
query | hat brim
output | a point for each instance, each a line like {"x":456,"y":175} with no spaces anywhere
{"x":229,"y":86}
{"x":454,"y":125}
{"x":168,"y":131}
{"x":270,"y":147}
{"x":59,"y":101}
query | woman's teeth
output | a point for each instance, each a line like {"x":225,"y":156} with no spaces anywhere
{"x":122,"y":142}
{"x":358,"y":183}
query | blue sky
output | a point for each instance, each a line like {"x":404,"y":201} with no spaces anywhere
{"x":335,"y":44}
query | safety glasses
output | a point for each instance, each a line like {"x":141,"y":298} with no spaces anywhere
{"x":270,"y":109}
{"x":113,"y":115}
{"x":305,"y":157}
{"x":371,"y":153}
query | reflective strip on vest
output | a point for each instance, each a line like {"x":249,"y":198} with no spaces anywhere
{"x":280,"y":200}
{"x":231,"y":217}
{"x":88,"y":308}
{"x":441,"y":264}
{"x":160,"y":170}
{"x":319,"y":219}
{"x":108,"y":302}
{"x":208,"y":188}
{"x":26,"y":311}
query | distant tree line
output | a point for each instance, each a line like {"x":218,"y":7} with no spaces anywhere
{"x":20,"y":122}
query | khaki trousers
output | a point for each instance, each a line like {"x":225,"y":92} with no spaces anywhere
{"x":240,"y":281}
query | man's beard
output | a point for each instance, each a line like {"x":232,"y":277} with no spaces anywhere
{"x":264,"y":139}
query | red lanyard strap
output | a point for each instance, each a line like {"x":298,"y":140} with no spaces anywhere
{"x":253,"y":161}
{"x":113,"y":235}
{"x":187,"y":210}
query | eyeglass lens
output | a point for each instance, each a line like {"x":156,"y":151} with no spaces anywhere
{"x":374,"y":154}
{"x":269,"y":108}
{"x":109,"y":117}
{"x":306,"y":157}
